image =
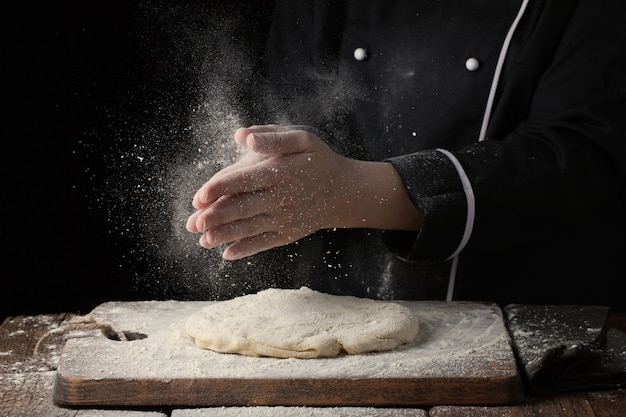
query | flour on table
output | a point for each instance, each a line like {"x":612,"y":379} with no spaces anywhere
{"x":303,"y":323}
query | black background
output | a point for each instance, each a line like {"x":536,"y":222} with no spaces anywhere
{"x":81,"y":77}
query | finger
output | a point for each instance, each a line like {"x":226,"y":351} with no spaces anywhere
{"x":281,"y":142}
{"x":237,"y":230}
{"x":242,"y":133}
{"x":248,"y":158}
{"x":245,"y":179}
{"x":231,"y":208}
{"x":255,"y":244}
{"x":226,"y":181}
{"x":192,"y":223}
{"x":202,"y":197}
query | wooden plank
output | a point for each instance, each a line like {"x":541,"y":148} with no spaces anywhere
{"x":28,"y":395}
{"x":594,"y":404}
{"x":608,"y":403}
{"x":462,"y":356}
{"x":19,"y":336}
{"x":26,"y":380}
{"x":299,"y":391}
{"x":299,"y":411}
{"x":25,"y":387}
{"x":119,"y":413}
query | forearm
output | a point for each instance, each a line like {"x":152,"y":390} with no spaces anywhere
{"x":372,"y":195}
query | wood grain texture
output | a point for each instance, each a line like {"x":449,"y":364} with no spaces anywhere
{"x":463,"y":357}
{"x":25,"y":389}
{"x":299,"y":411}
{"x":26,"y":380}
{"x":591,"y":404}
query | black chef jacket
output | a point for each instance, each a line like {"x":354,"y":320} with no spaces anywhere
{"x":506,"y":121}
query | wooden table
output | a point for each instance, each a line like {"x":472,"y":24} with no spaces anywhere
{"x":26,"y":387}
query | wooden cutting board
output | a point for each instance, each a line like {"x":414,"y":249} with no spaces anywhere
{"x":462,"y":355}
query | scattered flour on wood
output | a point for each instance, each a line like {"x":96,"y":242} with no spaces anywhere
{"x":455,"y":340}
{"x":296,"y":411}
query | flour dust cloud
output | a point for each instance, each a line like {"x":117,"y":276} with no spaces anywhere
{"x":198,"y":83}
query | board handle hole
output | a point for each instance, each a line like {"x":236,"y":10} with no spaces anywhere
{"x":127,"y":336}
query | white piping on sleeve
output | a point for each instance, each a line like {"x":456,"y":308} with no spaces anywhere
{"x":469,"y":220}
{"x":467,"y":186}
{"x":471,"y":202}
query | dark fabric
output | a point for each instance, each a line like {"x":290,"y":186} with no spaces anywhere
{"x":566,"y":348}
{"x":549,"y":181}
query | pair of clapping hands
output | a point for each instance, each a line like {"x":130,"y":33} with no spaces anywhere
{"x":289,"y":184}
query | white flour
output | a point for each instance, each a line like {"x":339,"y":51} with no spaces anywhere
{"x":295,"y":411}
{"x":455,"y":340}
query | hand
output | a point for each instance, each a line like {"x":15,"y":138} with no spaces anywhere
{"x":288,"y":185}
{"x":281,"y":190}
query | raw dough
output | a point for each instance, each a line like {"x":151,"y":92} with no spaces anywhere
{"x":301,"y":323}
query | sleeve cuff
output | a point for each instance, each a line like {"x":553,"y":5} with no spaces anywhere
{"x":439,"y":187}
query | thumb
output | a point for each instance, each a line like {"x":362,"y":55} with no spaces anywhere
{"x":281,"y":143}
